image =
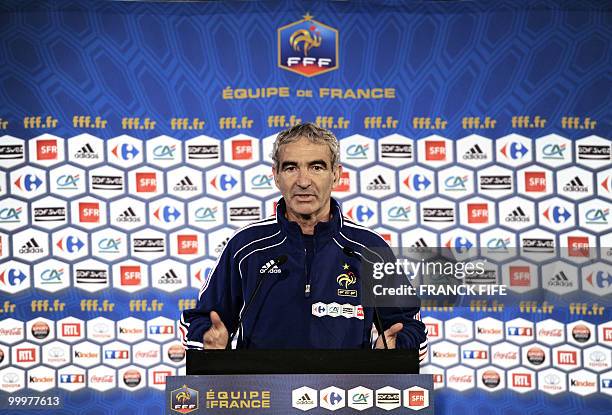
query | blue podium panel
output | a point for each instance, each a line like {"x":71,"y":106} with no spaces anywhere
{"x":297,"y":394}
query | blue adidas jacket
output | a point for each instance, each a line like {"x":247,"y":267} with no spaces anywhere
{"x":282,"y":314}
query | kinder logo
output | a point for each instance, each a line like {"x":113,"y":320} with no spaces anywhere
{"x":146,"y":182}
{"x":89,"y":212}
{"x":435,"y":150}
{"x":130,"y":275}
{"x":187,"y":244}
{"x":308,"y":47}
{"x":478,"y":213}
{"x":242,"y":150}
{"x":535,"y":181}
{"x":46,"y":150}
{"x":520,"y":276}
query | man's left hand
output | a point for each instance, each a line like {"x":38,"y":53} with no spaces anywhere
{"x":390,"y":335}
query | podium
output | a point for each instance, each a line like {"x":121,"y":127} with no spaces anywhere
{"x":228,"y":382}
{"x":321,"y":361}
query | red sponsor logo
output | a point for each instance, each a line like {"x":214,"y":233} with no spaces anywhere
{"x":71,"y":330}
{"x":89,"y":212}
{"x":520,"y":276}
{"x":578,"y":246}
{"x":438,"y":378}
{"x":130,"y":274}
{"x":432,"y":329}
{"x":386,"y":237}
{"x":359,"y":311}
{"x":567,"y":357}
{"x":435,"y":150}
{"x":416,"y":398}
{"x":521,"y":380}
{"x":242,"y":150}
{"x":159,"y":376}
{"x":26,"y":355}
{"x":478,"y":213}
{"x":344,"y":184}
{"x":535,"y":181}
{"x":607,"y":334}
{"x":187,"y":244}
{"x":46,"y":150}
{"x":146,"y":182}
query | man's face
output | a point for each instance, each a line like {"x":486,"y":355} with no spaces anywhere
{"x":305,"y":177}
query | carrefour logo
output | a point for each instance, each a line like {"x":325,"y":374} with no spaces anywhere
{"x":557,"y":214}
{"x":28,"y":182}
{"x":417,"y":182}
{"x":167,"y":214}
{"x":70,"y":244}
{"x":308,"y":47}
{"x":12,"y":277}
{"x":361,"y":213}
{"x":514,"y":150}
{"x":125,"y":151}
{"x":224,"y":182}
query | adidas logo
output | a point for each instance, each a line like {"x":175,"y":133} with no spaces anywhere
{"x":169,"y":277}
{"x":420,"y":243}
{"x":128,"y":215}
{"x":31,"y":247}
{"x":305,"y":400}
{"x":560,"y":280}
{"x":185,"y":185}
{"x":275,"y":269}
{"x":86,"y":152}
{"x":378,"y":183}
{"x":575,"y":185}
{"x":517,"y":215}
{"x":474,"y":153}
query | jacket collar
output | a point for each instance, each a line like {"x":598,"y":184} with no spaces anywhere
{"x":323,"y":232}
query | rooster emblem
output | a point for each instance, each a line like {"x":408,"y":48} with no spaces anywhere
{"x":347,"y":279}
{"x":309,"y":38}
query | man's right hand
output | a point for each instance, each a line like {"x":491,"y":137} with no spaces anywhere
{"x":216,"y":336}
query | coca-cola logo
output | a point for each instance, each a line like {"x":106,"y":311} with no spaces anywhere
{"x":505,"y":355}
{"x":150,"y":354}
{"x":460,"y":379}
{"x":15,"y":331}
{"x":550,"y":332}
{"x":101,"y":379}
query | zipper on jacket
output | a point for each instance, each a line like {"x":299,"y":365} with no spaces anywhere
{"x":307,"y":276}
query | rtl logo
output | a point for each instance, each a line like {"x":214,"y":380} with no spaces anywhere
{"x":146,"y":182}
{"x":130,"y":274}
{"x":89,"y":212}
{"x":71,"y":330}
{"x":435,"y":150}
{"x":242,"y":150}
{"x":438,"y":378}
{"x":520,"y":276}
{"x":567,"y":357}
{"x":578,"y":246}
{"x":46,"y":150}
{"x":159,"y":376}
{"x":535,"y":181}
{"x":478,"y":213}
{"x":607,"y":334}
{"x":521,"y":380}
{"x":432,"y":329}
{"x":26,"y":355}
{"x":187,"y":244}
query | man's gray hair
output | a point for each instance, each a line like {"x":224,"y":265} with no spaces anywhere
{"x":314,"y":134}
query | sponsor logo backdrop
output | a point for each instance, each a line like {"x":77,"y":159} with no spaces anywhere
{"x":136,"y":138}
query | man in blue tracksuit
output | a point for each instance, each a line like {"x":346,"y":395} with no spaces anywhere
{"x":303,"y":265}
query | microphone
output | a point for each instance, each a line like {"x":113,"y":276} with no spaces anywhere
{"x":280,"y":260}
{"x":352,"y":253}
